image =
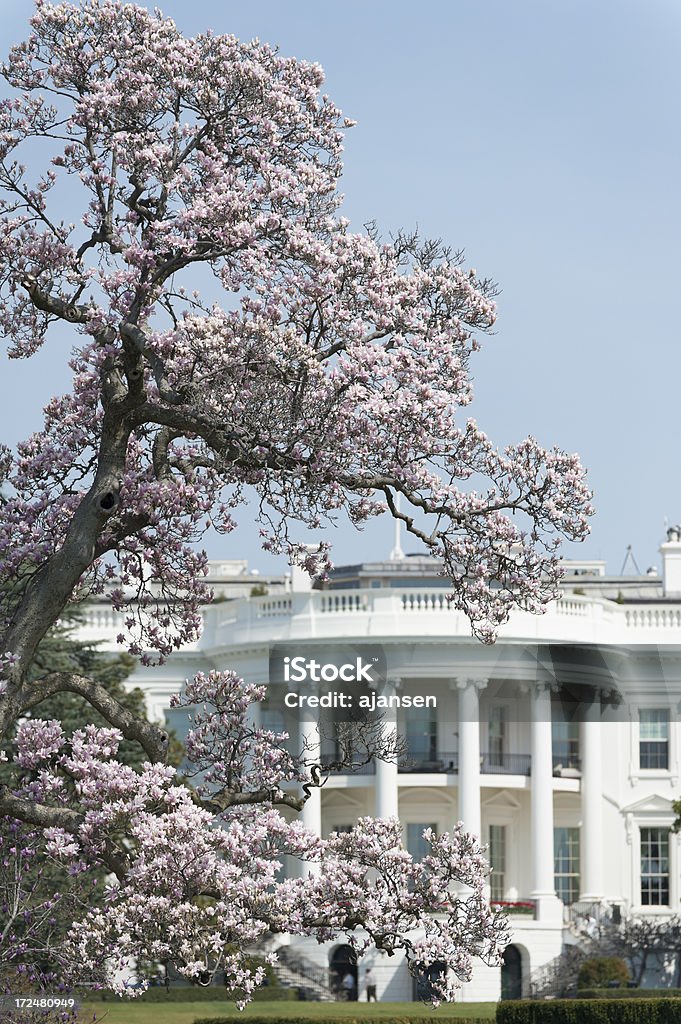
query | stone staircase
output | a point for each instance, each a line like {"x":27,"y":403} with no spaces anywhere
{"x":587,"y":925}
{"x":294,"y":971}
{"x":558,"y":978}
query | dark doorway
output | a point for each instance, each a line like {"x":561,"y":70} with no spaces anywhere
{"x":343,"y":962}
{"x":423,"y":981}
{"x":512,"y":974}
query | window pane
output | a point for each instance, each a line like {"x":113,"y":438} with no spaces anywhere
{"x":496,"y":734}
{"x":654,"y":723}
{"x":565,"y":738}
{"x":654,"y":738}
{"x":422,"y":734}
{"x":497,"y":861}
{"x":416,"y":844}
{"x":655,"y":867}
{"x":653,"y":755}
{"x":566,"y":863}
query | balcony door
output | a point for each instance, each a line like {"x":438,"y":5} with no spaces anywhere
{"x":421,"y":735}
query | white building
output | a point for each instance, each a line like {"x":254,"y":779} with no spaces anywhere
{"x":560,"y":745}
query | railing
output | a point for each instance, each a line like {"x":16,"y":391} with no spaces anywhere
{"x":437,"y":762}
{"x":441,"y":762}
{"x":444,"y":762}
{"x":308,"y":974}
{"x":274,"y":607}
{"x":588,"y":919}
{"x":567,"y":766}
{"x":505,"y":764}
{"x":104,"y":618}
{"x":650,"y":617}
{"x":329,"y":761}
{"x":425,"y":601}
{"x":343,"y":602}
{"x":386,"y":607}
{"x":559,"y":976}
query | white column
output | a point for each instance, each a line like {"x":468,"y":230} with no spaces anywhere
{"x":591,"y":836}
{"x":254,"y":721}
{"x":309,"y":743}
{"x":469,"y":753}
{"x":387,"y":794}
{"x":543,"y":888}
{"x":254,"y":716}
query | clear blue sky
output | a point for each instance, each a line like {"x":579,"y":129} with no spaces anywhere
{"x":542,"y":137}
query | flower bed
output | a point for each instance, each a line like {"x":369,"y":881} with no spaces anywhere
{"x":513,"y":906}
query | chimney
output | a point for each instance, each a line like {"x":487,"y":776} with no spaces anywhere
{"x":301,"y":583}
{"x":671,"y":562}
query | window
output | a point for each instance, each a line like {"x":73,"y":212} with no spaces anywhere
{"x":564,"y":738}
{"x":653,"y":746}
{"x":497,"y":861}
{"x":654,"y":867}
{"x":273,"y":720}
{"x":416,"y":844}
{"x":566,"y":864}
{"x":496,"y":732}
{"x":422,"y":734}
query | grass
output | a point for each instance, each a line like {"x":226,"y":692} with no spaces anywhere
{"x":187,"y":1013}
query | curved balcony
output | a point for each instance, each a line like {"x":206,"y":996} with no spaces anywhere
{"x":396,"y":613}
{"x":401,"y":612}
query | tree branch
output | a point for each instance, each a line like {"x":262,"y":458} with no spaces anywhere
{"x":69,"y":311}
{"x":39,"y":815}
{"x":154,"y":741}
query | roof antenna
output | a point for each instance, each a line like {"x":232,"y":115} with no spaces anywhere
{"x":629,"y":555}
{"x":397,"y":553}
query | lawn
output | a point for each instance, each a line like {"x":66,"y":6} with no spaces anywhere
{"x":187,"y":1013}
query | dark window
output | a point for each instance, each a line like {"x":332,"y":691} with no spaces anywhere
{"x":566,"y":864}
{"x":497,"y":735}
{"x":565,"y":738}
{"x":497,"y":861}
{"x":417,"y":846}
{"x":422,"y":734}
{"x":654,"y":867}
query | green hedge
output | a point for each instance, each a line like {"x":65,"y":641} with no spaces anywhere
{"x":590,"y":1011}
{"x":190,"y":994}
{"x":629,"y":993}
{"x":346,"y":1020}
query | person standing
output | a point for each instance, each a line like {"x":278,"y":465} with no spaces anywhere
{"x":348,"y":984}
{"x":370,"y":985}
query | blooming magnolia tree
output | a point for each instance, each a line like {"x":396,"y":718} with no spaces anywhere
{"x":233,"y":338}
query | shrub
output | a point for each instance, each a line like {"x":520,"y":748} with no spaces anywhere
{"x":629,"y":993}
{"x":599,"y":970}
{"x":590,"y":1011}
{"x":359,"y":1019}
